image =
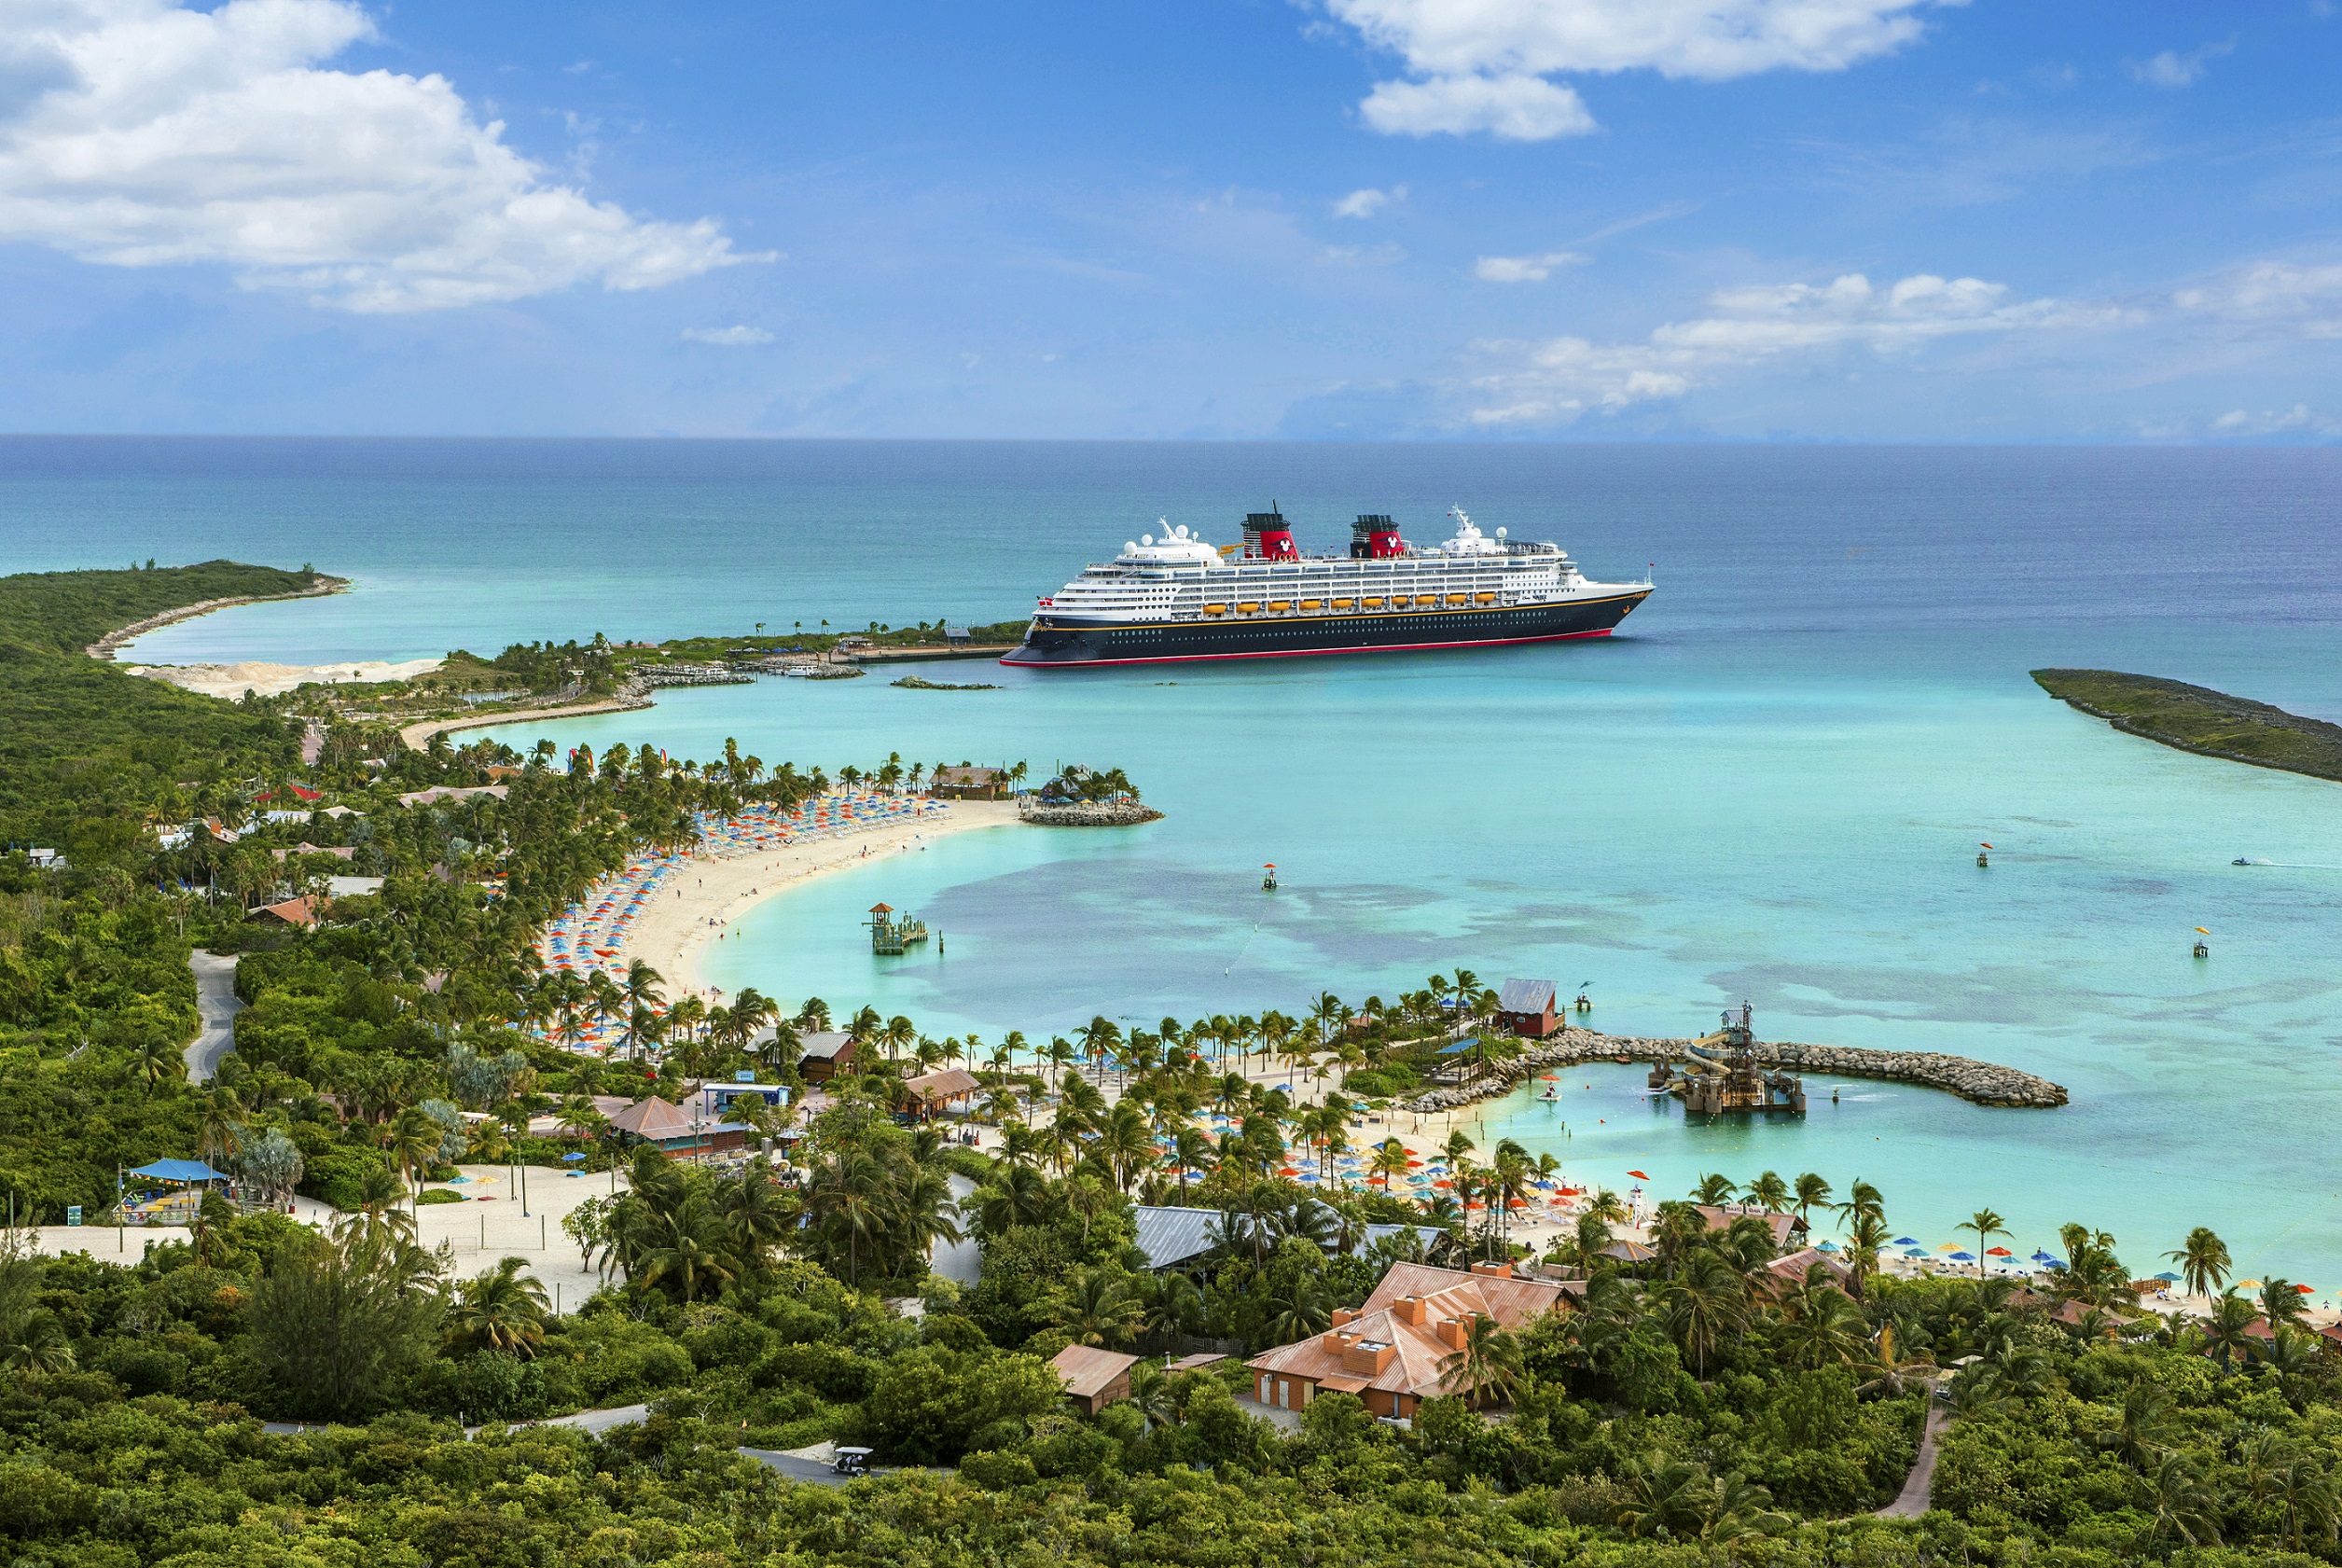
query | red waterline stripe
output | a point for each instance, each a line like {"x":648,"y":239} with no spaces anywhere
{"x":1300,"y":653}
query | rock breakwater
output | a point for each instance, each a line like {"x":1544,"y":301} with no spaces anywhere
{"x":1983,"y":1083}
{"x":1088,"y":813}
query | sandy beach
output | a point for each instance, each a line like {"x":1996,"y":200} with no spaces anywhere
{"x":672,"y":932}
{"x":264,"y":679}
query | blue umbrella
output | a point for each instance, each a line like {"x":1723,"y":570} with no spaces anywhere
{"x":1963,"y":1257}
{"x":1915,"y":1252}
{"x":1825,"y":1246}
{"x":1906,"y":1240}
{"x":2167,"y":1278}
{"x":572,"y":1155}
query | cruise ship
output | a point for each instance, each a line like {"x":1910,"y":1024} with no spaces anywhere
{"x":1172,"y":596}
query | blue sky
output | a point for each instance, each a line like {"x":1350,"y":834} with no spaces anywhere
{"x":1475,"y":219}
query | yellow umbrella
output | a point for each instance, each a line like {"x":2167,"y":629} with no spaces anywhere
{"x":2247,"y":1284}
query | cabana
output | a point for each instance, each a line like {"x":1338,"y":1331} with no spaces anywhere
{"x":176,"y":1205}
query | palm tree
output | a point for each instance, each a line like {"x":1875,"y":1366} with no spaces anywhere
{"x":1704,"y":1302}
{"x":151,"y":1052}
{"x":2203,"y":1260}
{"x":1488,"y":1365}
{"x":1825,"y":1326}
{"x":1864,"y":1243}
{"x":1812,"y":1193}
{"x":414,"y":1139}
{"x":34,"y":1343}
{"x":1987,"y":1225}
{"x":2186,"y":1501}
{"x":1887,"y":1367}
{"x":1770,"y":1192}
{"x":2282,"y":1302}
{"x":1297,"y":1312}
{"x":499,"y":1309}
{"x":1713,"y":1189}
{"x":378,"y":1216}
{"x":1097,"y":1308}
{"x":2225,"y":1326}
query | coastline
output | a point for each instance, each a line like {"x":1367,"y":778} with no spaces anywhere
{"x":106,"y":648}
{"x":417,"y":736}
{"x":673,"y":935}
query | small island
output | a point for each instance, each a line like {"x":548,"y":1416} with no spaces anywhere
{"x":2199,"y":719}
{"x":916,"y":683}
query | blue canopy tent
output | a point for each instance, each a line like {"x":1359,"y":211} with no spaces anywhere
{"x":180,"y":1170}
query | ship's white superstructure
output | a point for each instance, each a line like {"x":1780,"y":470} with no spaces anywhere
{"x":1176,"y":596}
{"x":1179,"y":576}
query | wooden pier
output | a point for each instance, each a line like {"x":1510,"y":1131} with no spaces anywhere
{"x":891,"y":936}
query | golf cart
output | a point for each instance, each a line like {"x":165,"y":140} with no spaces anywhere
{"x":851,"y":1461}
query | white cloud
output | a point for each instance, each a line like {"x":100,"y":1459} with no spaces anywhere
{"x":1514,"y":108}
{"x":2304,"y":299}
{"x":1524,"y":269}
{"x":2298,"y":419}
{"x":727,"y":336}
{"x":1365,"y":203}
{"x":149,"y":133}
{"x":1482,"y":65}
{"x":1556,"y":381}
{"x":2173,"y":69}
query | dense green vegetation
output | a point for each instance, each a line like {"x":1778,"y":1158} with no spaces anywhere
{"x":822,"y":637}
{"x":89,"y":756}
{"x":2196,"y":718}
{"x":1698,"y":1407}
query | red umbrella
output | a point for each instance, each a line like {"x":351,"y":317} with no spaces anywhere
{"x":1998,"y":1252}
{"x":1638,"y":1176}
{"x":1443,"y":1184}
{"x":2306,"y":1290}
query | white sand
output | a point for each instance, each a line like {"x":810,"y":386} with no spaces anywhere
{"x":232,"y":681}
{"x":674,"y":931}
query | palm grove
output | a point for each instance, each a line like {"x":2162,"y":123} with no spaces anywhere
{"x":1693,"y":1405}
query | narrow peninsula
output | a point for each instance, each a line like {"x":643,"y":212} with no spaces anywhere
{"x":2199,"y":719}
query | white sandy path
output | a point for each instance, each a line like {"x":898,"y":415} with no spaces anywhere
{"x":672,"y":932}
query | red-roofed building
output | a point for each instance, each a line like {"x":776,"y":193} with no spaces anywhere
{"x":1389,"y":1352}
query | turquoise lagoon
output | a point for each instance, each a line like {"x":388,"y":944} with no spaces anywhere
{"x":1770,"y":789}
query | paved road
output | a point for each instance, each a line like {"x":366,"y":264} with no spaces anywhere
{"x":1922,"y":1481}
{"x":217,"y":1003}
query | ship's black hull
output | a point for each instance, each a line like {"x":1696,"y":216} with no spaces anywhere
{"x":1055,"y":642}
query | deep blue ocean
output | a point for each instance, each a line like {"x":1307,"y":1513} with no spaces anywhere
{"x":1770,"y":786}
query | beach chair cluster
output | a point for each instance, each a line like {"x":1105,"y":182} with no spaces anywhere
{"x":591,"y":937}
{"x":826,"y":816}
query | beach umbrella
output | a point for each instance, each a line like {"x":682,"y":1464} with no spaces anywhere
{"x":572,"y":1156}
{"x":2167,"y":1276}
{"x":1906,"y":1240}
{"x":1998,"y":1252}
{"x":2306,"y":1289}
{"x":1915,"y":1252}
{"x":1963,"y":1257}
{"x":1516,"y":1202}
{"x":2247,"y":1284}
{"x":1949,"y":1246}
{"x":1443,"y":1182}
{"x":1638,"y":1176}
{"x":1825,"y":1246}
{"x":1544,"y":1186}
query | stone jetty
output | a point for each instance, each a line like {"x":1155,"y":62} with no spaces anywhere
{"x":1981,"y":1082}
{"x":1087,"y":813}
